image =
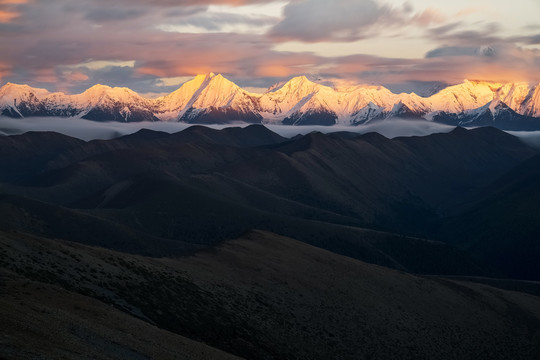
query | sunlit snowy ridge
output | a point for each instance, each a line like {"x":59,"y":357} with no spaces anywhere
{"x":212,"y":99}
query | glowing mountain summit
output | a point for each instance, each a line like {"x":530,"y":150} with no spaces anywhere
{"x":211,"y":98}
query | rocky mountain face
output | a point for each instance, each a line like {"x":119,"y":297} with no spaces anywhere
{"x":211,"y":99}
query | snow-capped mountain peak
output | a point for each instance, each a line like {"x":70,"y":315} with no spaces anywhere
{"x":470,"y":94}
{"x":93,"y":95}
{"x":522,"y":97}
{"x":170,"y":106}
{"x":16,"y":91}
{"x":118,"y":103}
{"x":299,"y":86}
{"x":213,"y":98}
{"x":118,"y":93}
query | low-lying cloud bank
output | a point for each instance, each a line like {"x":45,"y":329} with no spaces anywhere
{"x":91,"y":130}
{"x":531,"y":138}
{"x":388,"y":128}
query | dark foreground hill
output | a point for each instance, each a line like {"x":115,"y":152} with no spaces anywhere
{"x":159,"y":194}
{"x":122,"y":248}
{"x":42,"y":320}
{"x":502,"y":224}
{"x":260,"y":296}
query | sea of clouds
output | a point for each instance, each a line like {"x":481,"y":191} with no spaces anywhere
{"x":91,"y":130}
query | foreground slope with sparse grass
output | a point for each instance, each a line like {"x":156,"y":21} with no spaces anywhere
{"x":260,"y":296}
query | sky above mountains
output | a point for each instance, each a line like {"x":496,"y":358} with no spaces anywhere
{"x":153,"y":46}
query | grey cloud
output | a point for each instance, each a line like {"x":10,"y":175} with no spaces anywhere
{"x":181,"y":3}
{"x":530,"y":40}
{"x":186,"y":11}
{"x":486,"y":35}
{"x":259,"y":82}
{"x":486,"y":51}
{"x":46,"y":37}
{"x":531,"y":27}
{"x":408,"y":7}
{"x":350,"y":20}
{"x":215,"y":22}
{"x":100,"y":11}
{"x":511,"y":63}
{"x":173,"y":3}
{"x":422,"y":88}
{"x":451,"y":51}
{"x":318,"y":20}
{"x":122,"y":76}
{"x":444,"y":29}
{"x":112,"y":14}
{"x":10,"y":28}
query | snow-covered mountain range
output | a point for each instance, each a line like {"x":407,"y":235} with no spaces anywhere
{"x":212,"y":98}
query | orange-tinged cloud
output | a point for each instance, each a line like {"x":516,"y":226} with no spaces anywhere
{"x":429,"y":16}
{"x":5,"y":70}
{"x":350,"y":68}
{"x":76,"y":76}
{"x":13,"y":2}
{"x":177,"y":70}
{"x":6,"y":16}
{"x":56,"y":41}
{"x":7,"y":10}
{"x":199,"y":2}
{"x":270,"y":70}
{"x":497,"y":73}
{"x":453,"y":70}
{"x":468,"y":11}
{"x":45,"y":75}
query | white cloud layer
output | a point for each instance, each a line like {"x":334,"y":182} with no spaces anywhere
{"x":91,"y":130}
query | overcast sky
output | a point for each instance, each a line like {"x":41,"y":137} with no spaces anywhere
{"x":152,"y":46}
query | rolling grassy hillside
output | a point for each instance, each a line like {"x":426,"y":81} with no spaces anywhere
{"x":260,"y":296}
